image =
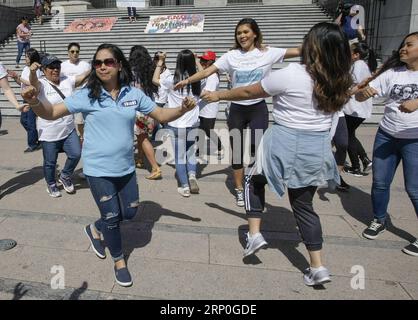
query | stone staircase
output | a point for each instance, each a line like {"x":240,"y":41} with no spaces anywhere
{"x":282,"y":26}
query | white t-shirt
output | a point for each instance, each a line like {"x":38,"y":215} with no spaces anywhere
{"x":162,"y":91}
{"x":3,"y":71}
{"x":55,"y":130}
{"x":209,"y":110}
{"x":26,"y":74}
{"x":71,"y":69}
{"x":293,"y":102}
{"x":246,"y":68}
{"x":175,"y":99}
{"x":359,"y":72}
{"x":398,"y":85}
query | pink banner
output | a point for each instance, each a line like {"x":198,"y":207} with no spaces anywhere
{"x":91,"y":25}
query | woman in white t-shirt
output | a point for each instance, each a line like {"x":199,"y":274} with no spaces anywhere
{"x":356,"y":112}
{"x":397,"y":137}
{"x":60,"y":134}
{"x":247,"y":63}
{"x":296,"y":151}
{"x":184,"y":129}
{"x":209,"y":111}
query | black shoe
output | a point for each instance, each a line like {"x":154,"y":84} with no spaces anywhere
{"x":374,"y":229}
{"x":343,"y":186}
{"x":355,"y":171}
{"x":29,"y":149}
{"x":367,"y":165}
{"x":412,"y":249}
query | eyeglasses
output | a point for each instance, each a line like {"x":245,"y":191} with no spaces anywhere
{"x":75,"y":51}
{"x":109,"y":62}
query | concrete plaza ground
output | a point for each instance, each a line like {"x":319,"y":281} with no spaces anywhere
{"x":192,"y":248}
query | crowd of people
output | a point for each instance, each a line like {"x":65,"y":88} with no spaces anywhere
{"x":318,"y":105}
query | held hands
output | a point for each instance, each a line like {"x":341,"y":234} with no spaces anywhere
{"x":210,"y":96}
{"x":162,"y":56}
{"x":30,"y":95}
{"x":181,"y":84}
{"x":369,"y":92}
{"x":188,"y":104}
{"x":409,"y":106}
{"x":23,"y":107}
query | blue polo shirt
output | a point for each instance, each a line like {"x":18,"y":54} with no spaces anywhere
{"x":109,"y":129}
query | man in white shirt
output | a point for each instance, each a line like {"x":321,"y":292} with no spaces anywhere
{"x":75,"y":67}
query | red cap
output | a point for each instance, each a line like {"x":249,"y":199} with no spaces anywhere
{"x":209,"y":55}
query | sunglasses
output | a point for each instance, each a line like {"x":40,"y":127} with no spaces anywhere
{"x":109,"y":62}
{"x":75,"y":51}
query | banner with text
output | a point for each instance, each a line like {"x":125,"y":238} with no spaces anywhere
{"x":91,"y":25}
{"x":176,"y":23}
{"x":130,"y":3}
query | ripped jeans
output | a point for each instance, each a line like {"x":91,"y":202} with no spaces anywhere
{"x":117,"y":199}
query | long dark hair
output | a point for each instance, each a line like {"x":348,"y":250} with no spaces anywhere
{"x":33,"y":55}
{"x":258,"y":42}
{"x":94,"y":84}
{"x":395,"y":60}
{"x":143,"y":69}
{"x":327,"y":56}
{"x":186,"y":67}
{"x":365,"y":53}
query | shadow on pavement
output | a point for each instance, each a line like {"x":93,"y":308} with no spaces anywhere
{"x":25,"y":179}
{"x":358,"y":204}
{"x":275,"y":219}
{"x":139,"y":234}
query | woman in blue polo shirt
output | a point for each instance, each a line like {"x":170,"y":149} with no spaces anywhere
{"x":109,"y":104}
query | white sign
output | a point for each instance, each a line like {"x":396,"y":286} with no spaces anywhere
{"x":176,"y":23}
{"x":130,"y":3}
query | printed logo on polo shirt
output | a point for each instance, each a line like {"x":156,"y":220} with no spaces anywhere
{"x":404,"y":92}
{"x":130,"y":103}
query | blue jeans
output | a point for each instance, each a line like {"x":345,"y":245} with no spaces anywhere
{"x":72,"y":148}
{"x":28,"y":121}
{"x":387,"y":153}
{"x":185,"y":158}
{"x":21,"y":47}
{"x":118,"y":200}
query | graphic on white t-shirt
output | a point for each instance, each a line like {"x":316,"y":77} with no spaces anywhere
{"x":404,"y":92}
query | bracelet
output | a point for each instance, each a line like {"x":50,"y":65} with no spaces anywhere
{"x":159,"y":66}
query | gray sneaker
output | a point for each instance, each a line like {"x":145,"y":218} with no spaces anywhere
{"x":254,"y":243}
{"x":239,"y":194}
{"x":67,"y":184}
{"x":317,"y":277}
{"x":194,"y":188}
{"x":53,"y":190}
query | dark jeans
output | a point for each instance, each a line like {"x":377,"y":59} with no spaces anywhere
{"x":28,"y":121}
{"x":355,"y":148}
{"x":301,"y":199}
{"x":341,"y":142}
{"x":256,"y":117}
{"x":21,"y":47}
{"x":117,"y":199}
{"x":72,"y":148}
{"x":387,"y":153}
{"x":131,"y":11}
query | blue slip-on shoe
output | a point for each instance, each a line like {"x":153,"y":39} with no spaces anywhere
{"x":123,"y":277}
{"x":96,"y":244}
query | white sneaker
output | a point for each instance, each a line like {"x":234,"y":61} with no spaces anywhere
{"x":316,"y":276}
{"x":185,"y":192}
{"x":194,"y":188}
{"x":254,"y":243}
{"x":239,"y":194}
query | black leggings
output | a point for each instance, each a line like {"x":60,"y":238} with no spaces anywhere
{"x":307,"y":220}
{"x":340,"y":141}
{"x":207,"y":125}
{"x":240,"y":117}
{"x":355,"y":148}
